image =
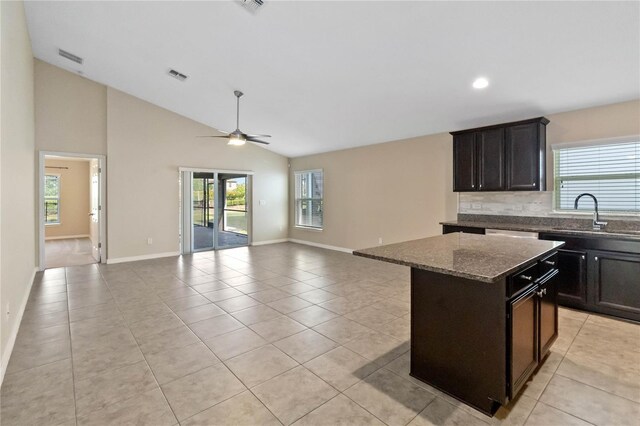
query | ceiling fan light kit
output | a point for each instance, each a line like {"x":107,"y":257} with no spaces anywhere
{"x":237,"y":137}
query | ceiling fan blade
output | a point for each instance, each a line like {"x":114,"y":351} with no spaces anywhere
{"x":226,"y":137}
{"x":257,"y":141}
{"x":258,"y":136}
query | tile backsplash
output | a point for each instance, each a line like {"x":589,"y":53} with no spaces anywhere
{"x":526,"y":203}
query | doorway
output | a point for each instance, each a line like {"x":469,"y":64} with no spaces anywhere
{"x":215,"y":210}
{"x":70,"y":205}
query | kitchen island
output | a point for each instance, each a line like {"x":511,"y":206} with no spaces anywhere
{"x":483,"y":312}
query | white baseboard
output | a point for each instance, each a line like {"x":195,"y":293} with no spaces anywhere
{"x":143,"y":257}
{"x":264,"y":243}
{"x":324,"y":246}
{"x":66,"y":237}
{"x":13,"y":333}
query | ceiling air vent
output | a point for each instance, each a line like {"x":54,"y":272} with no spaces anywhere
{"x":70,"y":56}
{"x":252,"y":5}
{"x":177,"y":75}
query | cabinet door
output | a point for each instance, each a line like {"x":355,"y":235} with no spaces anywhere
{"x":572,"y":280}
{"x":491,"y":160}
{"x":614,"y":279}
{"x":523,"y":314}
{"x":464,"y":162}
{"x":548,"y":313}
{"x":523,"y":157}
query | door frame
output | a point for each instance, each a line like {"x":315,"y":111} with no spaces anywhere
{"x":188,"y":209}
{"x":102,"y":217}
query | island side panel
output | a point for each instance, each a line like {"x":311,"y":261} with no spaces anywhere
{"x":458,"y":337}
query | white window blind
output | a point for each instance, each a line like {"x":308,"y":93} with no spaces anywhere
{"x":611,"y":172}
{"x":309,"y":198}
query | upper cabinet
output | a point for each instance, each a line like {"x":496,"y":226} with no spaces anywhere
{"x":505,"y":157}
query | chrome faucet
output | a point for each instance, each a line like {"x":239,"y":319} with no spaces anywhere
{"x":597,"y":223}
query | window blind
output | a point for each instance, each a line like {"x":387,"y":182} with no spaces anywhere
{"x":611,"y":172}
{"x":309,"y":198}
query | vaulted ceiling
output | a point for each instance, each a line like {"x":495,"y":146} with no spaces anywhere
{"x":322,"y":76}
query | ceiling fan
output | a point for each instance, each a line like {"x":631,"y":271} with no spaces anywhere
{"x":237,"y":137}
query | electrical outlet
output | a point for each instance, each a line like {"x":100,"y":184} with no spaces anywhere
{"x":149,"y":241}
{"x":263,"y":202}
{"x":380,"y":240}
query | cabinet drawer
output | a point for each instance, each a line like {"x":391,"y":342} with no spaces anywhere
{"x":548,"y":263}
{"x":523,"y":279}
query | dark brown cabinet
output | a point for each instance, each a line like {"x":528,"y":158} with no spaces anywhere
{"x":524,"y":339}
{"x":464,"y":162}
{"x":533,"y":319}
{"x":491,"y":160}
{"x":599,"y":274}
{"x":547,"y":313}
{"x":525,"y":154}
{"x":615,"y":281}
{"x":505,"y":157}
{"x":572,"y":280}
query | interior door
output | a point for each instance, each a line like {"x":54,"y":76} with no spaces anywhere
{"x":95,"y":211}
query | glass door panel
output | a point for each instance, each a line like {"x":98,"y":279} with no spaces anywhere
{"x":203,"y":211}
{"x":233,"y":223}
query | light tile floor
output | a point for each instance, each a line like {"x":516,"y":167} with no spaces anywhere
{"x":277,"y":334}
{"x":68,"y":252}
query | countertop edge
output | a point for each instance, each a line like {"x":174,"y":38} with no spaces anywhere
{"x":485,"y":279}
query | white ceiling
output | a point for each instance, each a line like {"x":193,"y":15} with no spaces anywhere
{"x":322,"y":76}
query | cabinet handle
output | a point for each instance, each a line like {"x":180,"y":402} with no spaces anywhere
{"x":480,"y":185}
{"x":473,"y":186}
{"x":596,"y":258}
{"x":548,"y":262}
{"x":526,"y":277}
{"x":533,"y":184}
{"x":582,"y":257}
{"x":542,"y":292}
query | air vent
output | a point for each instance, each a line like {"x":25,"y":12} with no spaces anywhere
{"x":252,"y":5}
{"x":70,"y":56}
{"x":177,"y":75}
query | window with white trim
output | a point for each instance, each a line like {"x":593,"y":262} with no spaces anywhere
{"x":309,"y":198}
{"x":609,"y":171}
{"x":52,"y":199}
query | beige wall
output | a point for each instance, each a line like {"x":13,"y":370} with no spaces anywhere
{"x":17,"y":187}
{"x":146,"y":146}
{"x":608,"y":121}
{"x":74,"y":198}
{"x":71,"y":112}
{"x":397,"y":191}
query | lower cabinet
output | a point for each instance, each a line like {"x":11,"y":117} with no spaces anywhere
{"x":524,"y":339}
{"x":533,"y":327}
{"x":615,"y":279}
{"x":599,"y":275}
{"x":573,"y":277}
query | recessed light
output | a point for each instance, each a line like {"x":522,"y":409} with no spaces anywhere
{"x":480,"y":83}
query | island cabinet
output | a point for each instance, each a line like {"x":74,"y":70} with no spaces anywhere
{"x":599,"y":274}
{"x":505,"y":157}
{"x":483,"y":312}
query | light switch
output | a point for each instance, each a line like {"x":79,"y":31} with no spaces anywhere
{"x":263,"y":202}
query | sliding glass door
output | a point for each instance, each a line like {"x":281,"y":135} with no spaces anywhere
{"x":203,"y":210}
{"x":232,"y":228}
{"x":214,"y":210}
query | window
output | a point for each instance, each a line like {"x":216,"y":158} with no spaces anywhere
{"x":309,"y":198}
{"x":51,"y":199}
{"x":611,"y":172}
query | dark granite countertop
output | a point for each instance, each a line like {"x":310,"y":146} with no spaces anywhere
{"x":617,"y":234}
{"x":486,"y":258}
